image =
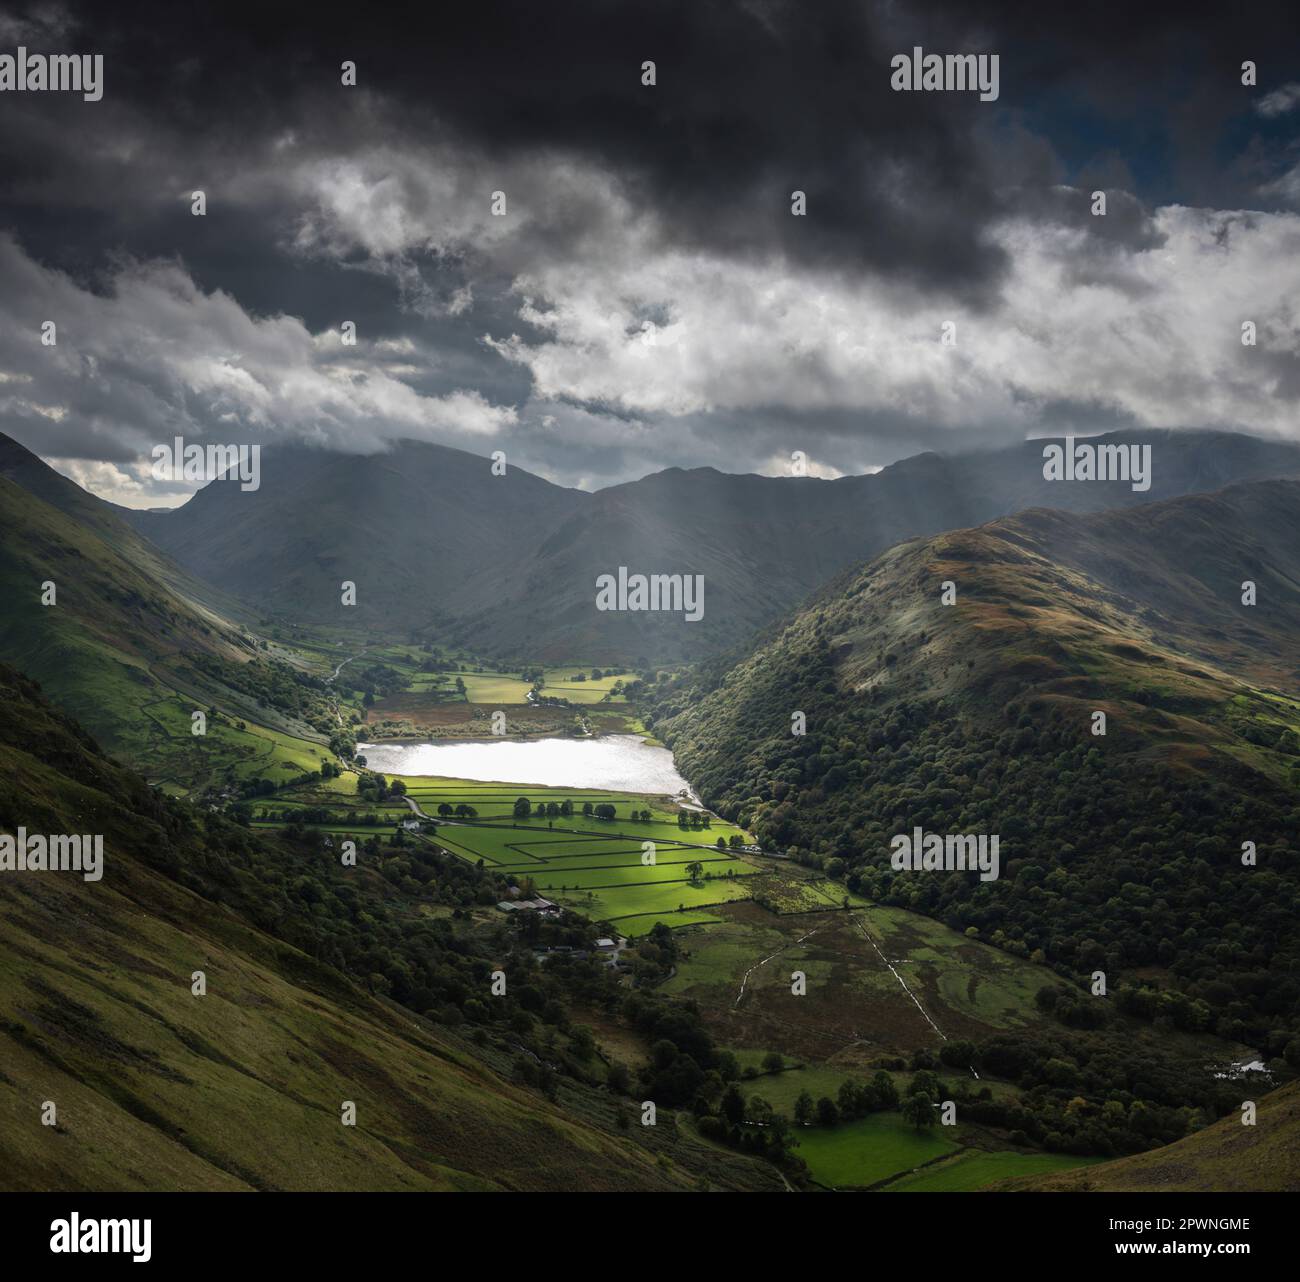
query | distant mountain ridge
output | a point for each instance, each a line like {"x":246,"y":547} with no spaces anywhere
{"x":435,"y":542}
{"x":764,"y":544}
{"x":424,"y":531}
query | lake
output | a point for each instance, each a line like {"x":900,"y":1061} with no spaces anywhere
{"x":618,"y":763}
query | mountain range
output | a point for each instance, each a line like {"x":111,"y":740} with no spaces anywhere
{"x":438,"y":544}
{"x":955,"y":684}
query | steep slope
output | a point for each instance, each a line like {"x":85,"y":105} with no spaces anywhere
{"x":132,"y":644}
{"x":1224,"y":1158}
{"x":764,"y":543}
{"x":1119,"y":852}
{"x":241,"y":1088}
{"x":109,"y":522}
{"x":103,"y":646}
{"x":434,"y":541}
{"x":424,"y":531}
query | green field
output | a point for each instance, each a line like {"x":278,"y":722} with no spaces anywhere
{"x":957,"y":974}
{"x":863,"y":1153}
{"x":782,"y":1089}
{"x":594,"y":866}
{"x":490,"y":687}
{"x":974,"y":1169}
{"x":617,"y":905}
{"x":505,"y":688}
{"x":558,"y":681}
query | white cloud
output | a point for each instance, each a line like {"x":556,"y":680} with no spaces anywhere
{"x":109,"y":480}
{"x":1280,"y":101}
{"x":1155,"y":335}
{"x":645,"y":353}
{"x":152,"y":356}
{"x":784,"y":465}
{"x":633,"y":323}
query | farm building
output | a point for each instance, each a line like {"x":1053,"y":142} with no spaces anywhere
{"x":538,"y":905}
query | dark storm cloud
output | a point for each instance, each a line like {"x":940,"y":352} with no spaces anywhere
{"x":663,"y":212}
{"x":753,"y":101}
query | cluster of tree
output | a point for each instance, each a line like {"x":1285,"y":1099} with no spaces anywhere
{"x":376,"y":787}
{"x":655,"y":956}
{"x":343,"y":743}
{"x":376,"y":680}
{"x":1112,"y":860}
{"x":543,"y":809}
{"x":260,"y":787}
{"x":694,"y":820}
{"x":1104,"y":1098}
{"x":856,"y":1099}
{"x":759,"y":1129}
{"x":326,"y":815}
{"x":272,"y":683}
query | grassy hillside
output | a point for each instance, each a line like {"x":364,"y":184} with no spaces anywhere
{"x":1224,"y":1158}
{"x":110,"y":621}
{"x":112,"y":524}
{"x":242,"y":1088}
{"x":1119,"y":853}
{"x":132,"y":654}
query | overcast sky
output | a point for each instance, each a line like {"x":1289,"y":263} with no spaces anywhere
{"x":648,"y":299}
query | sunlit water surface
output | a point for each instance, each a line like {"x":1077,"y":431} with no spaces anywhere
{"x":617,"y":763}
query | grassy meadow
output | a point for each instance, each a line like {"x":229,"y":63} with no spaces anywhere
{"x":596,"y":866}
